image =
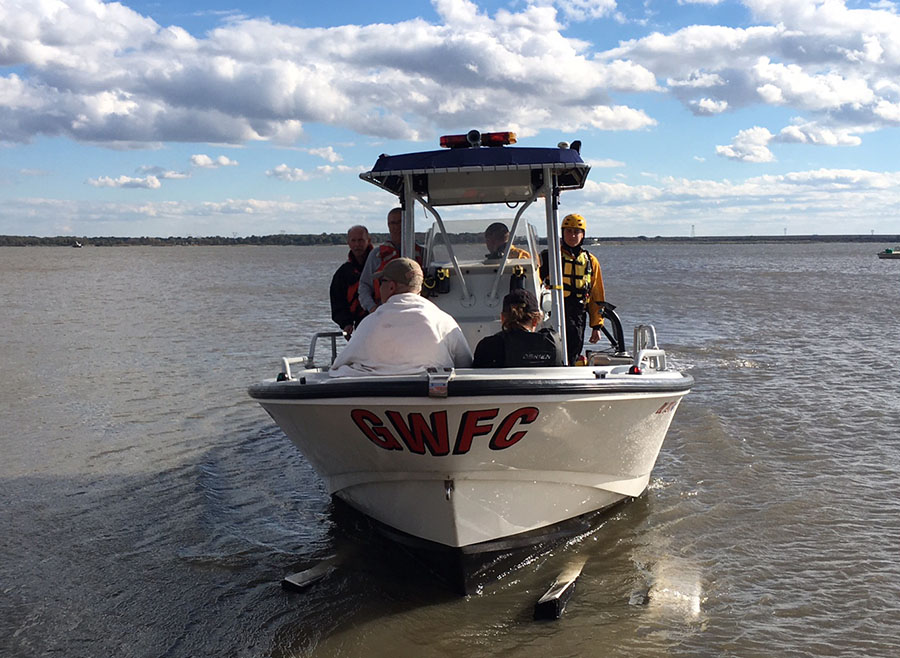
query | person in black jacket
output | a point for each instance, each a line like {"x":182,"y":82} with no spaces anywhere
{"x":518,"y":345}
{"x":346,"y":310}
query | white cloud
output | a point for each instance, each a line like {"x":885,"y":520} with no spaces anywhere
{"x":815,"y":201}
{"x":888,"y":111}
{"x":835,"y":63}
{"x":603,"y":192}
{"x":709,"y":106}
{"x":205,"y":162}
{"x":581,"y":10}
{"x":326,"y":170}
{"x":288,"y":174}
{"x":698,"y":79}
{"x":326,"y":153}
{"x":886,"y":5}
{"x":149,"y":178}
{"x":147,"y":182}
{"x":163,"y":174}
{"x":41,"y":216}
{"x":792,"y":85}
{"x":294,"y":175}
{"x":604,"y":164}
{"x":750,"y":145}
{"x":825,"y":201}
{"x":619,"y":117}
{"x":103,"y":73}
{"x":813,"y":133}
{"x":839,"y":179}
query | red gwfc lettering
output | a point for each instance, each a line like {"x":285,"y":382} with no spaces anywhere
{"x":667,"y":407}
{"x":419,"y":434}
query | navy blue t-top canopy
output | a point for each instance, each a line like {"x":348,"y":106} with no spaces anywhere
{"x":479,"y":174}
{"x":476,"y":157}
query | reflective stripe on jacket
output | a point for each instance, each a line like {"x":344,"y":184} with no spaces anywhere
{"x":576,"y":274}
{"x":581,"y":277}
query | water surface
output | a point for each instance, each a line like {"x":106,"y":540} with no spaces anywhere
{"x":151,"y":508}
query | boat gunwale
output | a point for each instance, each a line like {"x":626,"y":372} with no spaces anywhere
{"x":494,"y":386}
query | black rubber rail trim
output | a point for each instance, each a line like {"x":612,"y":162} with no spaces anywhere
{"x":471,"y":388}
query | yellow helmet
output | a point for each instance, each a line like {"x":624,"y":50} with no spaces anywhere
{"x":574,"y":221}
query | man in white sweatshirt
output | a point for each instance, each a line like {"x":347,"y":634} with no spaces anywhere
{"x":406,"y":334}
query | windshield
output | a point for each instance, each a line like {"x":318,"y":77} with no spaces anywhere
{"x":480,"y":239}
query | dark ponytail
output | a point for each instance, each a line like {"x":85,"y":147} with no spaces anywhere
{"x":516,"y":317}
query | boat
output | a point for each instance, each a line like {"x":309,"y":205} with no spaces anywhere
{"x":890,"y":253}
{"x":468,"y":463}
{"x":77,"y":244}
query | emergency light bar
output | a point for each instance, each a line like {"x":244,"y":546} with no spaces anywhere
{"x":474,"y":139}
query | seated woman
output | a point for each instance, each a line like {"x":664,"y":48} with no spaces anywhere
{"x":519,"y":345}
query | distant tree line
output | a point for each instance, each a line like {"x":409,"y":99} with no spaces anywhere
{"x":110,"y":241}
{"x":282,"y":239}
{"x":297,"y":239}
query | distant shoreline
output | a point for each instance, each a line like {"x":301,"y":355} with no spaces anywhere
{"x":474,"y":238}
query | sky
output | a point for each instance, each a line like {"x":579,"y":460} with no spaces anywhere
{"x":238,"y":118}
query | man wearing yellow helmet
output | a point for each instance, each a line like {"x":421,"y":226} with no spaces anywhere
{"x":582,"y":285}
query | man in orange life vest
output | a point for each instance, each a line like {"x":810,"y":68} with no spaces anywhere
{"x":496,"y":237}
{"x":369,"y":295}
{"x":346,"y":310}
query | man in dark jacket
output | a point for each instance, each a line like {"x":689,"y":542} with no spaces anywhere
{"x":346,"y":310}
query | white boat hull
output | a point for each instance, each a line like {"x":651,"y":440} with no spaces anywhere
{"x":469,"y":469}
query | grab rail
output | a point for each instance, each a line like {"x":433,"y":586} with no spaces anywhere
{"x":466,"y":299}
{"x":492,"y":295}
{"x":645,"y":348}
{"x":308,"y":361}
{"x":656,"y":357}
{"x":617,"y":335}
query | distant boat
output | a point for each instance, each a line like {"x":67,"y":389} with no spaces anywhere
{"x":890,"y":253}
{"x":77,"y":244}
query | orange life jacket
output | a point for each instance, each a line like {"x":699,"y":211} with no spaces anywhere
{"x":386,"y":253}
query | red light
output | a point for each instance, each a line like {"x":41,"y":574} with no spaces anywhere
{"x":498,"y":139}
{"x":475,"y":139}
{"x":634,"y":370}
{"x":454,"y":141}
